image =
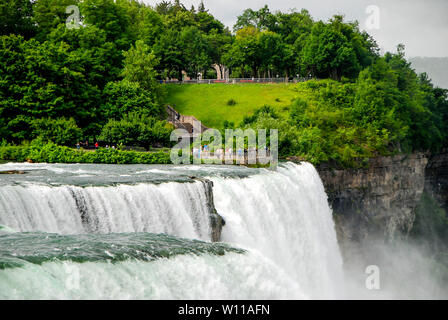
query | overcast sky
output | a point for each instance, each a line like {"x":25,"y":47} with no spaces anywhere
{"x":422,"y":25}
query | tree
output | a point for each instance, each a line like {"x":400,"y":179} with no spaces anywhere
{"x":122,"y":97}
{"x":336,"y":49}
{"x":110,"y":16}
{"x":207,"y":23}
{"x":180,"y":19}
{"x":168,"y":49}
{"x":140,"y":66}
{"x":17,"y":18}
{"x":246,"y":50}
{"x":262,"y":19}
{"x":101,"y":60}
{"x":218,"y":45}
{"x":39,"y":80}
{"x":49,"y":14}
{"x":390,"y":96}
{"x":135,"y":129}
{"x":277,"y":56}
{"x":195,"y":51}
{"x":53,"y":79}
{"x":294,"y":27}
{"x":61,"y":131}
{"x":327,"y":53}
{"x":149,"y":25}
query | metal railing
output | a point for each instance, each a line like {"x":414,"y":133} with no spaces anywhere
{"x":238,"y":80}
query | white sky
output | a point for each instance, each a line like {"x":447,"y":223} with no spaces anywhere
{"x":422,"y":25}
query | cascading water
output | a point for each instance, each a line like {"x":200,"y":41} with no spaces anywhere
{"x":172,"y":208}
{"x":285,"y":216}
{"x":281,"y":218}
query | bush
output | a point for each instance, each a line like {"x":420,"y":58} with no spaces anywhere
{"x":52,"y":153}
{"x":14,"y":153}
{"x":61,"y":131}
{"x":137,"y":130}
{"x":231,"y":102}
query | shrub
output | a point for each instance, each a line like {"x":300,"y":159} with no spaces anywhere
{"x":61,"y":131}
{"x":52,"y":153}
{"x":231,"y":102}
{"x":14,"y":153}
{"x":137,"y":130}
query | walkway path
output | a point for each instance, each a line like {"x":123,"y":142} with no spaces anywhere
{"x":181,"y":121}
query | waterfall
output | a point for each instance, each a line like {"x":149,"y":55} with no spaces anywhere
{"x":281,"y":218}
{"x":285,"y":215}
{"x":173,"y":208}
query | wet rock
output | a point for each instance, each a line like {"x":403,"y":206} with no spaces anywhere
{"x":216,"y":221}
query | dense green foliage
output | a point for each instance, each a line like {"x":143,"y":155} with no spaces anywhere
{"x":293,"y":44}
{"x":111,"y":64}
{"x":100,"y":80}
{"x":136,"y":130}
{"x":388,"y":109}
{"x":122,"y":97}
{"x":92,"y":73}
{"x":52,"y":153}
{"x":60,"y":131}
{"x":16,"y":17}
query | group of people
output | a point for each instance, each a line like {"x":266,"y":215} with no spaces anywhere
{"x":82,"y":144}
{"x":85,"y":145}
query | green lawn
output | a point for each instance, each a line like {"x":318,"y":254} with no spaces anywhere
{"x":208,"y":102}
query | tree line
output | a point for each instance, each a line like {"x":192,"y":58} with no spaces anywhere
{"x":102,"y":80}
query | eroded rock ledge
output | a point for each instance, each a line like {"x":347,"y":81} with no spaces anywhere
{"x":379,"y":200}
{"x":216,"y":221}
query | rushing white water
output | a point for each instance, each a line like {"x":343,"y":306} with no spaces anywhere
{"x":173,"y":208}
{"x":285,"y":215}
{"x":281,"y":217}
{"x":232,"y":276}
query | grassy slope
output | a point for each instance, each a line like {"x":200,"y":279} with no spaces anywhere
{"x":208,"y":102}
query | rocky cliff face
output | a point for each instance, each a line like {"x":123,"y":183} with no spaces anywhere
{"x":436,"y":182}
{"x":379,"y":200}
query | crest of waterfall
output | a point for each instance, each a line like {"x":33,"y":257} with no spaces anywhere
{"x":173,"y":208}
